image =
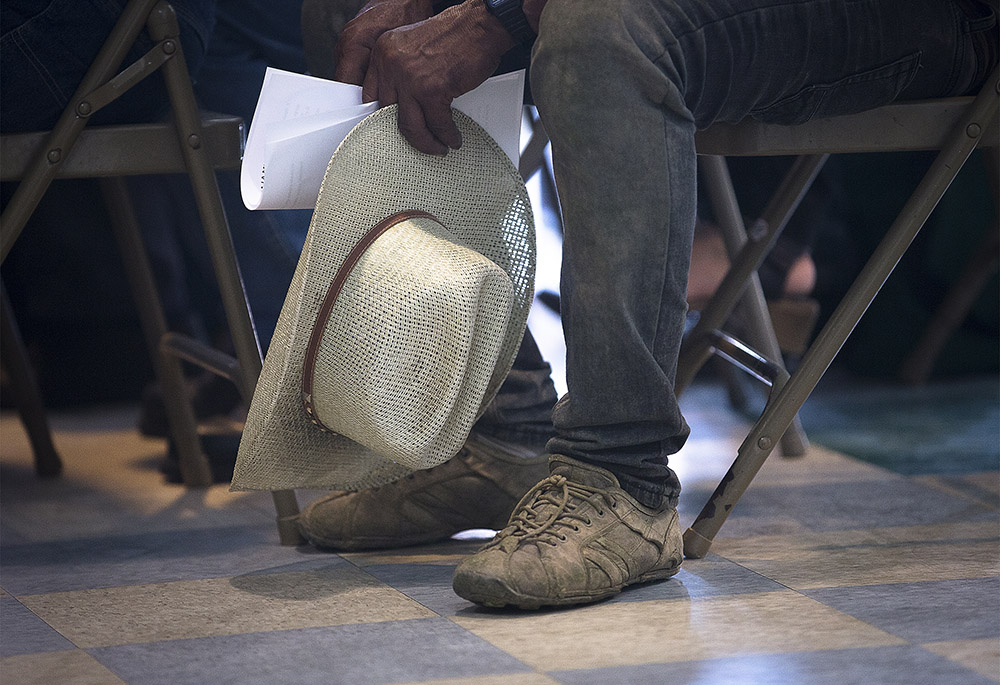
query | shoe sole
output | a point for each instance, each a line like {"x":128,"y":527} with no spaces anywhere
{"x":495,"y":594}
{"x":366,"y":544}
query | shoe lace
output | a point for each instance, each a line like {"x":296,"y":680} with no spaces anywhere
{"x":553,"y":505}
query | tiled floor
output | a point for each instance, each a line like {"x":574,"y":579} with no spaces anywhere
{"x":830,"y":570}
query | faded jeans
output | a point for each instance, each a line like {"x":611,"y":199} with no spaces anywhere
{"x":621,"y":86}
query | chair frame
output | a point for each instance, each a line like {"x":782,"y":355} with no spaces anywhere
{"x":954,"y":127}
{"x":197,"y":150}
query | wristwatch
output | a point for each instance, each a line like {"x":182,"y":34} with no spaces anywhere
{"x":512,"y":17}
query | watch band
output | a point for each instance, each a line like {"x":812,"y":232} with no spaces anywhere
{"x":512,"y":17}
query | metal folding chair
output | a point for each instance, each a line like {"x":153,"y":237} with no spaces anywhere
{"x":954,"y":127}
{"x":190,"y":143}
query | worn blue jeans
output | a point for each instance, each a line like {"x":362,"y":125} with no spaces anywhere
{"x":621,"y":86}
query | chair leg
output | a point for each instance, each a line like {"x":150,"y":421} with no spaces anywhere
{"x":26,"y":392}
{"x":782,"y":408}
{"x":695,"y":349}
{"x":533,"y":157}
{"x":194,"y":466}
{"x":950,"y":314}
{"x":750,"y":295}
{"x":163,"y":25}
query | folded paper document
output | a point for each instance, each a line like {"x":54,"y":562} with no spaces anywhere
{"x":300,"y":120}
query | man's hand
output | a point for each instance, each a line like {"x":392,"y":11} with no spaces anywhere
{"x":357,"y":41}
{"x":424,"y":66}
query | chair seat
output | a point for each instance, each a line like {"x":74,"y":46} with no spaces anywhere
{"x":902,"y":126}
{"x":128,"y":150}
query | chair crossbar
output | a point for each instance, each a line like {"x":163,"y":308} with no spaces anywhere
{"x":127,"y":150}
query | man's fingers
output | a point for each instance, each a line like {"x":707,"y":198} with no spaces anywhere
{"x":441,"y":124}
{"x":414,"y":128}
{"x":352,"y":63}
{"x":370,"y":89}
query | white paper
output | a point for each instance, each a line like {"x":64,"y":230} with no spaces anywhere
{"x":300,"y":120}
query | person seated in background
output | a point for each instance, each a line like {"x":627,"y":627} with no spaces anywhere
{"x":228,"y":45}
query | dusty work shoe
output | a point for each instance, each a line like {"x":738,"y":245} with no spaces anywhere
{"x":575,"y":537}
{"x":477,"y":488}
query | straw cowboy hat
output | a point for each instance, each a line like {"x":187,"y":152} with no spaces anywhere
{"x":403,"y":318}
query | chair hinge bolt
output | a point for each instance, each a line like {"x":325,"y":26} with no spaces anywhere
{"x":54,"y":155}
{"x":169,"y":47}
{"x":974,"y":130}
{"x":764,"y":443}
{"x":84,"y":109}
{"x":194,"y":141}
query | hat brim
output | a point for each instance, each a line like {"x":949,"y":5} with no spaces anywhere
{"x":475,"y":191}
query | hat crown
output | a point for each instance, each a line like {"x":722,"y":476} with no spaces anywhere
{"x":408,"y":349}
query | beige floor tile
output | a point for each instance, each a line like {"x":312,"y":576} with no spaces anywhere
{"x":372,"y":559}
{"x":665,"y":631}
{"x":48,"y":668}
{"x":336,"y":595}
{"x":819,"y":465}
{"x":510,"y":679}
{"x":981,"y":656}
{"x":864,"y":557}
{"x":110,"y":484}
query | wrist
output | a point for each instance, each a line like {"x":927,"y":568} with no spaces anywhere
{"x":489,"y":31}
{"x":510,"y":15}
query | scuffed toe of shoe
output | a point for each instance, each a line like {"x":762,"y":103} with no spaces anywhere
{"x":506,"y":574}
{"x":479,"y":579}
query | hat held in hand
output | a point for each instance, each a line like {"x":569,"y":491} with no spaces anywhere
{"x":403,"y":318}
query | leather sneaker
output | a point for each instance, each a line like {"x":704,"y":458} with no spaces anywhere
{"x":477,"y":488}
{"x":575,"y":537}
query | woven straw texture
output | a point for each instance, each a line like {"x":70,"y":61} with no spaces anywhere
{"x":411,"y":391}
{"x":478,"y":195}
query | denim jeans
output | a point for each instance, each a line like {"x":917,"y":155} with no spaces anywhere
{"x":46,"y":47}
{"x":621,"y":86}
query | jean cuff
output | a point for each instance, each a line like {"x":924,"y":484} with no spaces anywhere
{"x":653,"y":495}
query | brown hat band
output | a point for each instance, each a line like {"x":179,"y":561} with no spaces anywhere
{"x":366,"y":241}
